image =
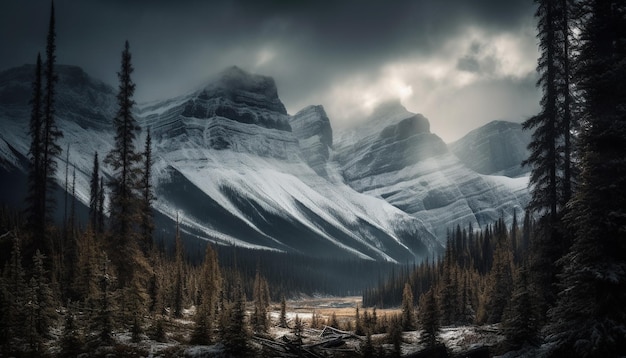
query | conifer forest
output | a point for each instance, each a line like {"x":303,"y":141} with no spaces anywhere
{"x":108,"y":275}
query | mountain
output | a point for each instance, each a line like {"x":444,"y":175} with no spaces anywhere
{"x":393,"y":155}
{"x":312,"y":127}
{"x":496,"y":148}
{"x":237,"y":169}
{"x":228,"y":164}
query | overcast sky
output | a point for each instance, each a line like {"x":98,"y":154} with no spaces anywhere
{"x":460,"y":63}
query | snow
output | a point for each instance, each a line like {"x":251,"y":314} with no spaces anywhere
{"x":369,"y":216}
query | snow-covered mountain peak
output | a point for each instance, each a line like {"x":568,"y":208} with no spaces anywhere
{"x":497,"y":148}
{"x":386,"y":119}
{"x":240,"y":87}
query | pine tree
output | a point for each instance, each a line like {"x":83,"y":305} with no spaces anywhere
{"x":551,"y":146}
{"x":45,"y":313}
{"x":101,"y":217}
{"x":94,"y":193}
{"x":235,"y":332}
{"x":103,"y":321}
{"x":124,"y":160}
{"x":210,"y":286}
{"x":16,"y":291}
{"x":521,"y":321}
{"x":179,"y":279}
{"x":50,"y":132}
{"x":358,"y":323}
{"x":261,"y":303}
{"x":589,"y":318}
{"x":86,"y":279}
{"x":408,"y":313}
{"x":500,"y":283}
{"x":36,"y":209}
{"x":429,"y":319}
{"x":147,"y":197}
{"x":282,"y":321}
{"x":394,"y":335}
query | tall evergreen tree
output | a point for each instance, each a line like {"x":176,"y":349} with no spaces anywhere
{"x":101,"y":216}
{"x":50,"y":132}
{"x":179,"y":279}
{"x":124,"y":160}
{"x":16,"y":291}
{"x":45,"y":312}
{"x":408,"y":313}
{"x":147,"y":197}
{"x":94,"y":193}
{"x":429,"y":319}
{"x":36,"y":209}
{"x":551,"y":145}
{"x":521,"y":322}
{"x":543,"y":147}
{"x":590,"y":316}
{"x":261,"y":303}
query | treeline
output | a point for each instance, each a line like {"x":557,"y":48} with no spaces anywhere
{"x":471,"y":282}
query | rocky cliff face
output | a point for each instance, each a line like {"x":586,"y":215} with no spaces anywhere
{"x":228,"y":163}
{"x":496,"y":148}
{"x":239,"y":170}
{"x":394,"y":156}
{"x":315,"y":137}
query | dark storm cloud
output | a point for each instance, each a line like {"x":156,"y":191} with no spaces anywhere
{"x":307,"y":46}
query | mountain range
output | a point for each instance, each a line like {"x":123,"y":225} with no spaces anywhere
{"x":237,"y":169}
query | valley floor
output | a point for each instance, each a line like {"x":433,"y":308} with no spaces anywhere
{"x":318,"y":340}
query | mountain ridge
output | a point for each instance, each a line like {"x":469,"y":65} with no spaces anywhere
{"x":254,"y":176}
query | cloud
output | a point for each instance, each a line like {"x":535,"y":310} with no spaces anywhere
{"x":348,"y":56}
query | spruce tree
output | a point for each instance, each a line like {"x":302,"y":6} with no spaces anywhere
{"x":429,"y":319}
{"x":235,"y":333}
{"x":521,"y":321}
{"x":101,"y":216}
{"x":408,"y":313}
{"x":551,"y":145}
{"x":179,"y":279}
{"x":124,"y":160}
{"x":50,"y":132}
{"x":103,"y":320}
{"x":147,"y":197}
{"x":36,"y":209}
{"x":261,"y":303}
{"x":210,"y":286}
{"x":94,"y":193}
{"x":282,"y":321}
{"x":590,"y":316}
{"x":16,"y":291}
{"x":45,"y":313}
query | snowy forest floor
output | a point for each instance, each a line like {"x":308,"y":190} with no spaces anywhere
{"x":178,"y":333}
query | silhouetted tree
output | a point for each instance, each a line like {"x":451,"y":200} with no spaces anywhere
{"x":50,"y":132}
{"x":590,"y":316}
{"x":124,"y":160}
{"x":94,"y":193}
{"x":147,"y":197}
{"x":36,"y":207}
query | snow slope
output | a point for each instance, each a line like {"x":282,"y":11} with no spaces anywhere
{"x":228,"y":164}
{"x":395,"y":157}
